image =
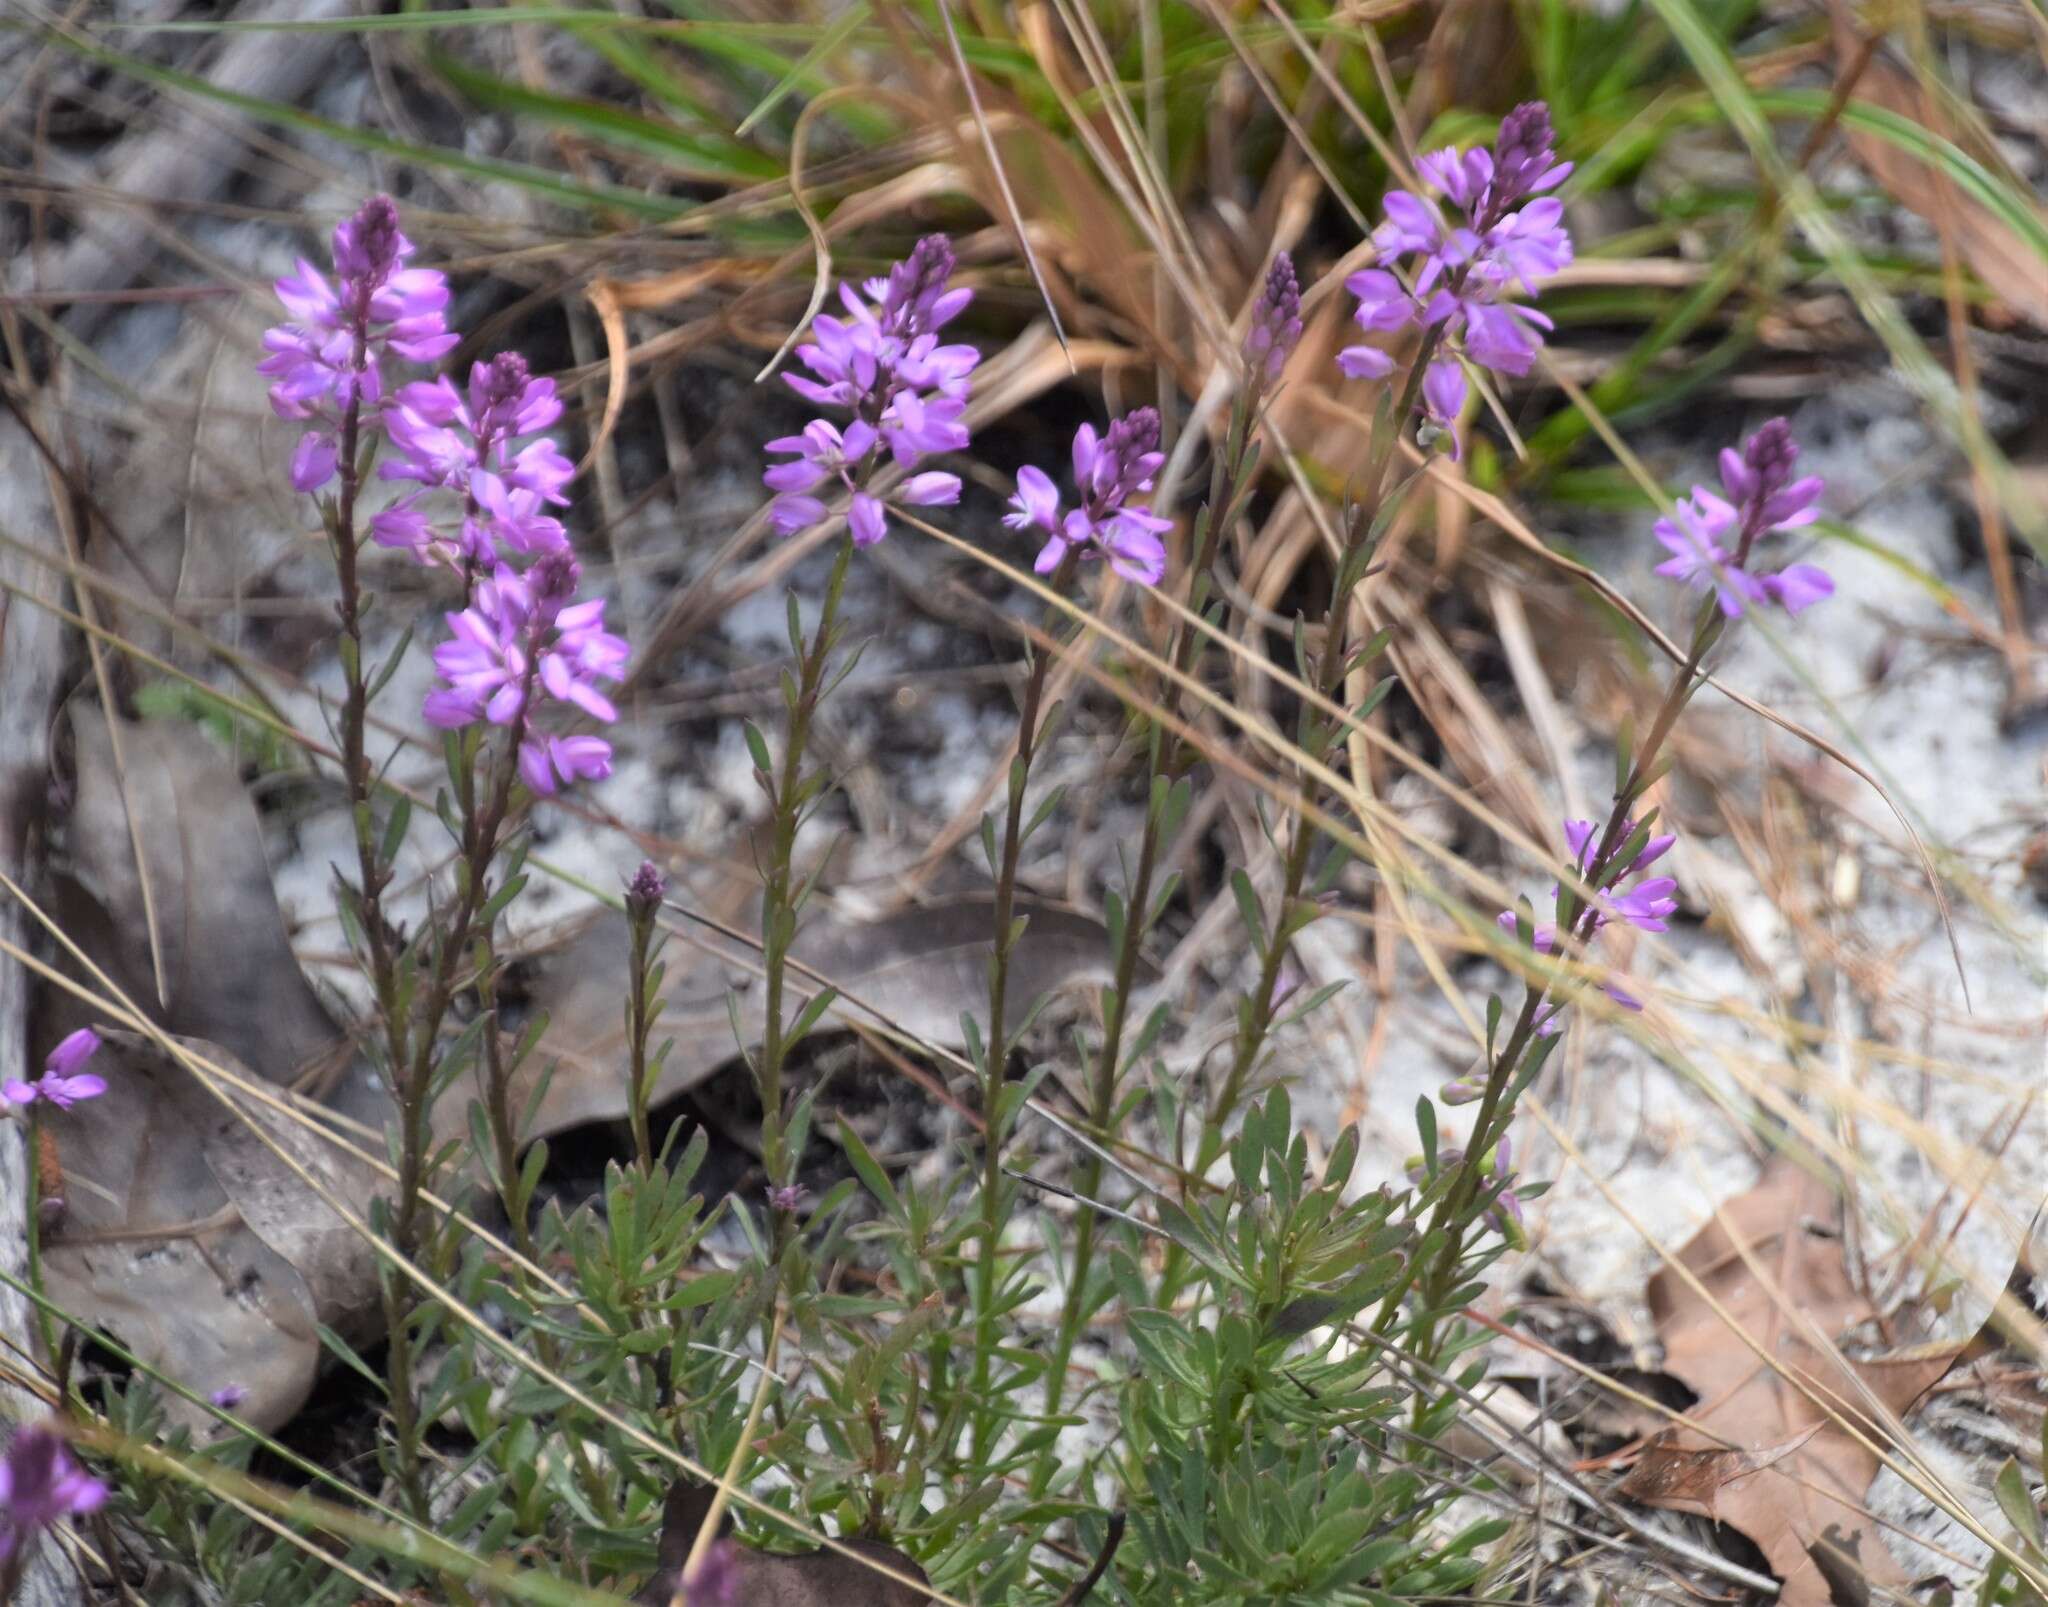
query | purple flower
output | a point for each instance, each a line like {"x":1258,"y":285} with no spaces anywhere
{"x":40,"y":1483}
{"x":465,"y":444}
{"x":882,"y":362}
{"x":715,"y":1581}
{"x":326,"y":360}
{"x":1443,"y":398}
{"x":1645,"y":905}
{"x":1275,"y":326}
{"x":1507,"y":235}
{"x":1698,"y":558}
{"x":228,"y":1396}
{"x":1506,"y":1211}
{"x":520,"y":637}
{"x":1108,"y":471}
{"x":786,"y":1197}
{"x":549,"y":763}
{"x":62,"y":1084}
{"x":1711,"y":539}
{"x":823,"y":452}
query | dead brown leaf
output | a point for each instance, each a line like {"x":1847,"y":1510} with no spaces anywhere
{"x":1994,"y":252}
{"x":1806,"y":1473}
{"x":182,"y":1231}
{"x":1666,"y":1475}
{"x":189,"y":1240}
{"x":230,"y":974}
{"x":918,"y":967}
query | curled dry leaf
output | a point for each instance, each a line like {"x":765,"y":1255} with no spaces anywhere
{"x":189,"y":1240}
{"x":1774,"y":1463}
{"x":919,"y":968}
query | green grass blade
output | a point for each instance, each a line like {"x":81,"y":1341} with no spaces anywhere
{"x":829,"y":42}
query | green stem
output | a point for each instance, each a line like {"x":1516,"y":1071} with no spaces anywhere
{"x":791,"y":792}
{"x":640,"y":1012}
{"x":1453,"y":1213}
{"x":1319,"y":733}
{"x":1167,"y":760}
{"x":995,"y":1053}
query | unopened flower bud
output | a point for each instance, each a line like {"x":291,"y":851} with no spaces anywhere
{"x":1276,"y":320}
{"x":645,"y":892}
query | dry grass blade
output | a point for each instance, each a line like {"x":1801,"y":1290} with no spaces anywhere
{"x":2014,"y":272}
{"x":1015,"y":217}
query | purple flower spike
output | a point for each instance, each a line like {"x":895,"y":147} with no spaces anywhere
{"x":464,"y":443}
{"x":326,"y":360}
{"x":1108,"y":470}
{"x":62,"y":1084}
{"x":1712,"y":539}
{"x":522,"y":642}
{"x":1492,"y":231}
{"x":882,"y":362}
{"x":40,"y":1483}
{"x":1276,"y":321}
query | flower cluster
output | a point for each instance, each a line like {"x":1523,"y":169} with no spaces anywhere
{"x":466,"y":444}
{"x":884,"y":364}
{"x":62,"y":1084}
{"x":1275,"y":327}
{"x":1646,"y":906}
{"x":40,"y":1483}
{"x":1511,"y":235}
{"x":1108,"y":471}
{"x":1711,"y":539}
{"x":329,"y":357}
{"x":522,"y":641}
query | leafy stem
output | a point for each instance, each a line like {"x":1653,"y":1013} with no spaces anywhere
{"x":994,"y":1053}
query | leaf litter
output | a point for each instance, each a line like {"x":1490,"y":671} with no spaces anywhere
{"x":183,"y":1231}
{"x":1769,"y":1458}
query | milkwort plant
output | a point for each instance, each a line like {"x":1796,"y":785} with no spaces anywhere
{"x":1273,"y":1425}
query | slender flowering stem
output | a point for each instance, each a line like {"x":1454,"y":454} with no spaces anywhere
{"x":995,"y":1051}
{"x":793,"y":794}
{"x":1274,"y":331}
{"x":1291,"y":913}
{"x":1453,"y":1213}
{"x":520,"y":645}
{"x":1764,"y":497}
